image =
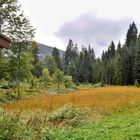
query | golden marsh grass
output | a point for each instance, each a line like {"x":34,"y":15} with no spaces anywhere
{"x":105,"y":98}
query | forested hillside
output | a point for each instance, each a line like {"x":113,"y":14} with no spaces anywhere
{"x":44,"y":50}
{"x":48,"y":94}
{"x":119,"y":65}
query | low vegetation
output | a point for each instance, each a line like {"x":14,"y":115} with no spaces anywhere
{"x":89,"y":113}
{"x":106,"y":99}
{"x":39,"y":99}
{"x":124,"y":125}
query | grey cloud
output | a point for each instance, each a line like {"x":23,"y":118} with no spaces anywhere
{"x":89,"y":29}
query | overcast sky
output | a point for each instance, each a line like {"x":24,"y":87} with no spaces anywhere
{"x":94,"y":22}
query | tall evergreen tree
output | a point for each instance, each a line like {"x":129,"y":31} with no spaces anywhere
{"x":35,"y":52}
{"x":111,"y":50}
{"x":96,"y":71}
{"x":56,"y":56}
{"x":131,"y":35}
{"x":137,"y":61}
{"x":119,"y":48}
{"x":50,"y":63}
{"x":68,"y":54}
{"x":72,"y":68}
{"x":118,"y":69}
{"x":129,"y":54}
{"x":15,"y":25}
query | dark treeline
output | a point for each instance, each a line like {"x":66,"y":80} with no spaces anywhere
{"x":119,"y":65}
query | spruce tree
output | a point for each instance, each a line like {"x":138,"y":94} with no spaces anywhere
{"x":16,"y":25}
{"x":68,"y":53}
{"x":137,"y":61}
{"x":35,"y":52}
{"x":56,"y":56}
{"x":129,"y":54}
{"x":131,"y":35}
{"x":118,"y":69}
{"x":111,"y":50}
{"x":119,"y":48}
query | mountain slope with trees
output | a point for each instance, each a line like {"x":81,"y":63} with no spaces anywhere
{"x":45,"y":50}
{"x":118,"y":65}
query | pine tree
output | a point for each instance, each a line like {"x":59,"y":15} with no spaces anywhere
{"x":50,"y":63}
{"x":137,"y":61}
{"x":96,"y":71}
{"x":15,"y":25}
{"x":129,"y":54}
{"x":86,"y":61}
{"x":119,"y":48}
{"x":131,"y":35}
{"x":111,"y":50}
{"x":56,"y":56}
{"x":118,"y":69}
{"x":35,"y":52}
{"x":68,"y":54}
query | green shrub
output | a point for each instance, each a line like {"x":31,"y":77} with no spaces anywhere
{"x":8,"y":97}
{"x":99,"y":84}
{"x":136,"y":83}
{"x":9,"y":125}
{"x":68,"y":82}
{"x":77,"y":83}
{"x":68,"y":115}
{"x":13,"y":127}
{"x":46,"y":78}
{"x":25,"y":85}
{"x":7,"y":84}
{"x":33,"y":82}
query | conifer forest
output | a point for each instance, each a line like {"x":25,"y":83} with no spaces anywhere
{"x":70,"y":94}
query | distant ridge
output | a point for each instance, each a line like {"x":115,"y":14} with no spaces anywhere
{"x":45,"y":50}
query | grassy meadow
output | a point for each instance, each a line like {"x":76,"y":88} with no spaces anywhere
{"x":107,"y":99}
{"x":100,"y":113}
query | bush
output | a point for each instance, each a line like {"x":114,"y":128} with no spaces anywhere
{"x":8,"y":97}
{"x":77,"y":83}
{"x":33,"y":81}
{"x":68,"y":82}
{"x":69,"y":115}
{"x":136,"y":83}
{"x":9,"y":125}
{"x":58,"y":77}
{"x":99,"y":84}
{"x":46,"y":78}
{"x":13,"y":127}
{"x":6,"y":84}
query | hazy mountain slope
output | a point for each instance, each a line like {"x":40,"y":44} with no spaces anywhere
{"x":46,"y":50}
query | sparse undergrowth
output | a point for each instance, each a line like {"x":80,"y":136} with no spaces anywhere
{"x":7,"y":95}
{"x":124,"y":125}
{"x":70,"y":115}
{"x":59,"y":125}
{"x":40,"y":124}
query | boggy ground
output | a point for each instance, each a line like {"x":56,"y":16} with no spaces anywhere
{"x":101,"y":113}
{"x":107,"y":99}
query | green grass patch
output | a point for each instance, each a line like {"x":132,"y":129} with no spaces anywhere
{"x":124,"y":125}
